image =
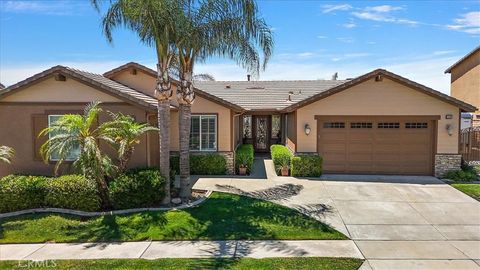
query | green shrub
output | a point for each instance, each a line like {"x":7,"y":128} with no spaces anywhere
{"x":244,"y":155}
{"x":307,"y":166}
{"x":72,"y":192}
{"x":137,"y":188}
{"x":462,"y":175}
{"x":281,"y":156}
{"x":202,"y":164}
{"x":208,"y":164}
{"x":18,"y":192}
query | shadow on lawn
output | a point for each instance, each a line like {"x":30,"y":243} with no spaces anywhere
{"x":276,"y":193}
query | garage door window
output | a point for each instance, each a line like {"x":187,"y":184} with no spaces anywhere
{"x":334,"y":125}
{"x":388,"y":125}
{"x":361,"y":125}
{"x":416,"y":125}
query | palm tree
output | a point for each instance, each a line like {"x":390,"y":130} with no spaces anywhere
{"x":72,"y":132}
{"x":227,"y":28}
{"x":124,"y":133}
{"x":6,"y":154}
{"x":153,"y":22}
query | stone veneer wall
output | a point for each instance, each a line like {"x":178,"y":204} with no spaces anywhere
{"x":447,"y":162}
{"x":230,"y":158}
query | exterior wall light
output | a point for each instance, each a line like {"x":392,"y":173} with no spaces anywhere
{"x":307,"y":129}
{"x":449,"y":128}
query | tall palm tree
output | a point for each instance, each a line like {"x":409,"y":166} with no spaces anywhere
{"x":153,"y":22}
{"x":6,"y":154}
{"x":227,"y":28}
{"x":75,"y":131}
{"x":123,"y":133}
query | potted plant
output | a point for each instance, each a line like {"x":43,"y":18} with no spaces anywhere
{"x":283,"y":167}
{"x":242,"y":168}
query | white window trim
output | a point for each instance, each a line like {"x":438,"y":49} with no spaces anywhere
{"x":49,"y":136}
{"x":200,"y":133}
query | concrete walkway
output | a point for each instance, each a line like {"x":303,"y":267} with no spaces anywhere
{"x":180,"y":249}
{"x":397,"y":222}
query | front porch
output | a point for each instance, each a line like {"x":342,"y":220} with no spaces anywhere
{"x":261,"y":130}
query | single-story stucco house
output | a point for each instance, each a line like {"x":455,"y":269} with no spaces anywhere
{"x":378,"y":123}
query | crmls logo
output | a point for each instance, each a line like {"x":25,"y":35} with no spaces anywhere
{"x":37,"y":264}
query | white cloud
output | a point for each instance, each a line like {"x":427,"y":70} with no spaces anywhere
{"x":383,"y":8}
{"x":332,"y":8}
{"x":322,"y":37}
{"x":346,"y":39}
{"x":349,"y":25}
{"x":468,"y":23}
{"x":443,"y":52}
{"x":61,"y":8}
{"x":382,"y":13}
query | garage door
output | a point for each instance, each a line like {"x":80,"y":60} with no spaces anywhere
{"x":376,"y":145}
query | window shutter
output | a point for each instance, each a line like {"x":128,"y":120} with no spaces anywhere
{"x":40,"y":121}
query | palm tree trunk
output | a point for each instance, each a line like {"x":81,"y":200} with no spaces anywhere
{"x":103,"y":192}
{"x":123,"y":162}
{"x":164,"y":143}
{"x":184,"y":132}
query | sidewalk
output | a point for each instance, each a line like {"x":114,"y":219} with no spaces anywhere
{"x":180,"y":249}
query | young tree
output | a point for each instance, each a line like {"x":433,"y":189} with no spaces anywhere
{"x":80,"y":132}
{"x":153,"y":22}
{"x":227,"y":28}
{"x":6,"y":154}
{"x":124,"y":133}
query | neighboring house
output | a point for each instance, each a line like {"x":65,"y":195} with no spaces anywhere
{"x":378,"y":123}
{"x":465,"y":81}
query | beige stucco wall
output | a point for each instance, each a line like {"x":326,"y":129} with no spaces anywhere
{"x":20,"y":135}
{"x":378,"y":98}
{"x":50,"y":90}
{"x":141,"y":81}
{"x":466,"y":81}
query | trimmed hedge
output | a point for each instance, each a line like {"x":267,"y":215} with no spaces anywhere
{"x":209,"y":164}
{"x":72,"y":192}
{"x":462,"y":175}
{"x":307,"y":166}
{"x":280,"y":155}
{"x":137,"y":188}
{"x":244,"y":154}
{"x":18,"y":192}
{"x":202,"y":164}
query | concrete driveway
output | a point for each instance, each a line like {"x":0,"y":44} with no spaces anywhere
{"x":397,"y":222}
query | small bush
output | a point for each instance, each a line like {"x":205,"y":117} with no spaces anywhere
{"x":244,"y":155}
{"x":18,"y":192}
{"x":307,"y":166}
{"x":281,"y":156}
{"x":137,"y":188}
{"x":72,"y":192}
{"x":202,"y":164}
{"x":462,"y":175}
{"x":209,"y":164}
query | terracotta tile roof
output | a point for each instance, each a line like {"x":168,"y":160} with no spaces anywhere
{"x":96,"y":80}
{"x":266,"y":95}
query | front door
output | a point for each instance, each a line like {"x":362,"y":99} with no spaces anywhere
{"x":261,"y":134}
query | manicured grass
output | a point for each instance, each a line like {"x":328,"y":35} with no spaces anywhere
{"x":179,"y":264}
{"x":472,"y":190}
{"x":222,"y":217}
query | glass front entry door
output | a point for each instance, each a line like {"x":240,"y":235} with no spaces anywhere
{"x":261,"y":137}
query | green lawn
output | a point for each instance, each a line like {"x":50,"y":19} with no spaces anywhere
{"x":472,"y":190}
{"x":180,"y":264}
{"x":221,"y":217}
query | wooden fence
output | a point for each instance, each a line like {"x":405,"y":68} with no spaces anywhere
{"x":470,"y":144}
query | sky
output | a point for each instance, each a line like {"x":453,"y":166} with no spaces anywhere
{"x":313,"y":39}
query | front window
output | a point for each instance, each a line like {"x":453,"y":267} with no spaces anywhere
{"x":73,"y":153}
{"x":203,"y":133}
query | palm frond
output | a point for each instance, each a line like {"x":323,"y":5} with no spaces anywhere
{"x":6,"y":154}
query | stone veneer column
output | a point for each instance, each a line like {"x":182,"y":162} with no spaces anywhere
{"x":230,"y":158}
{"x":447,"y":162}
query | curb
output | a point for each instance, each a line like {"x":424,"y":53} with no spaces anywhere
{"x":108,"y":213}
